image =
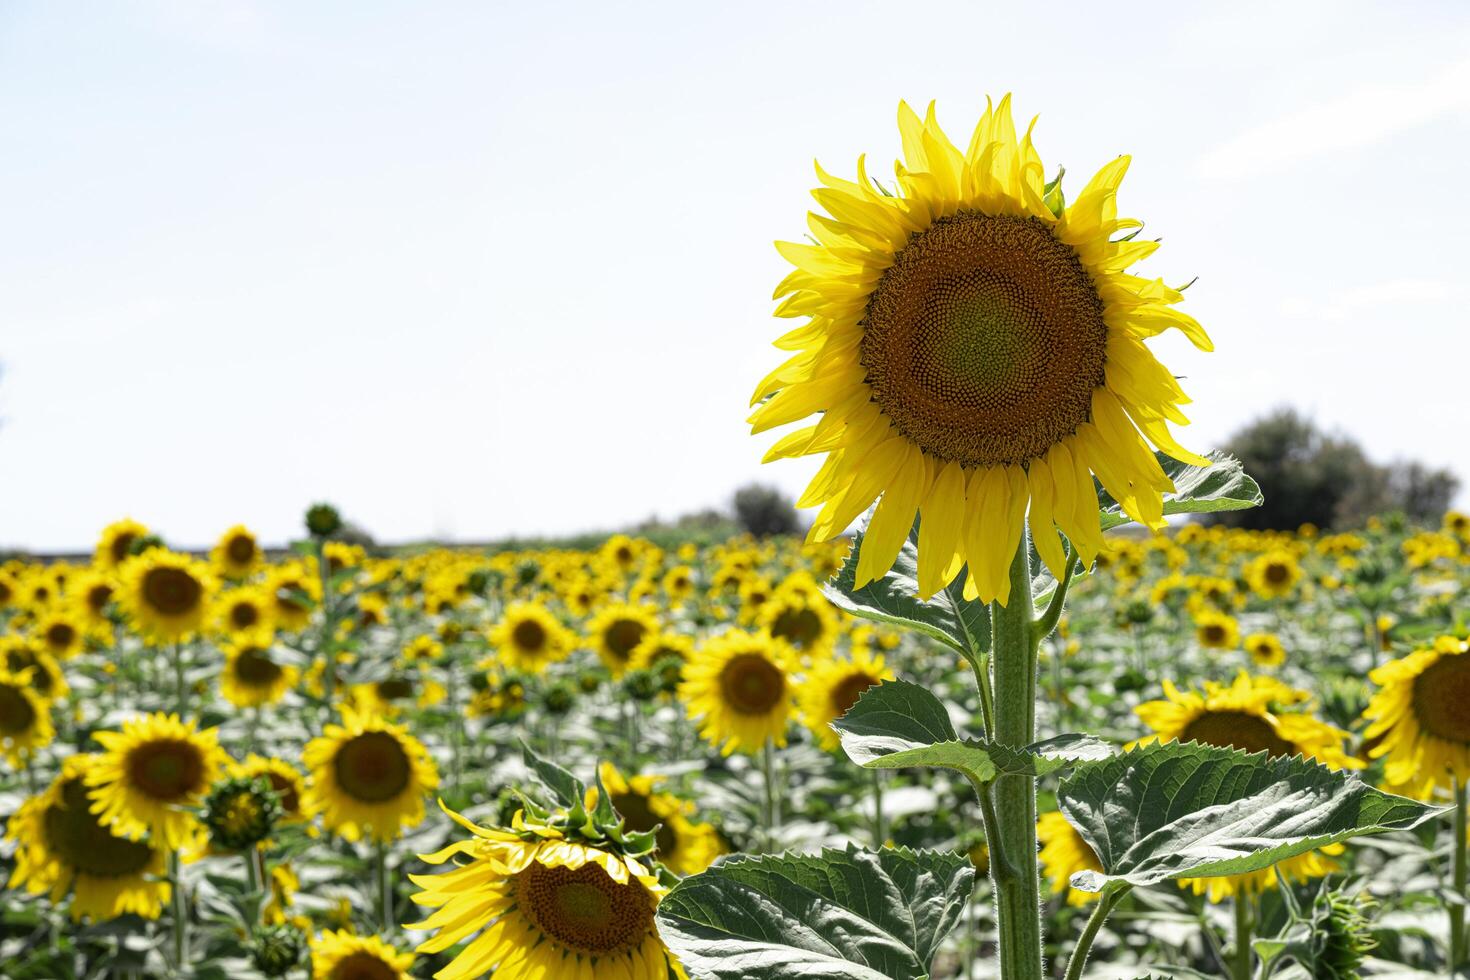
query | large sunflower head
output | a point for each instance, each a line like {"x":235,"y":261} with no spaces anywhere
{"x":528,"y":637}
{"x":166,"y":595}
{"x":253,"y":676}
{"x":543,"y":906}
{"x":834,"y":686}
{"x":345,"y":956}
{"x":152,"y":773}
{"x":25,"y":716}
{"x":1420,"y":717}
{"x":974,"y":348}
{"x":682,"y":844}
{"x":62,"y":847}
{"x":739,"y":686}
{"x":116,"y":543}
{"x":368,"y":776}
{"x":237,"y":554}
{"x":616,"y":631}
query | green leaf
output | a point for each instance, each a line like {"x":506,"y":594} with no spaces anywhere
{"x":947,"y":616}
{"x":839,"y":914}
{"x":566,"y":788}
{"x":1186,"y":810}
{"x":896,"y":724}
{"x":1223,"y":485}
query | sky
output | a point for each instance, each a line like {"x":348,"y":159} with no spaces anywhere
{"x":483,"y":269}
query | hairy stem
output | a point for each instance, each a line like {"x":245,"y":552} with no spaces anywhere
{"x":1094,"y":924}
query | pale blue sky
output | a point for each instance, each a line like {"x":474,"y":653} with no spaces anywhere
{"x":480,"y":269}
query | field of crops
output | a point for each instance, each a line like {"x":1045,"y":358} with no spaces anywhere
{"x":229,"y":765}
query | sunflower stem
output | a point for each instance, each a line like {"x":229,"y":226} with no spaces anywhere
{"x":181,"y":693}
{"x":1016,"y":874}
{"x":1100,"y":912}
{"x":252,"y":867}
{"x":385,"y":887}
{"x":880,"y":833}
{"x":1240,"y":960}
{"x":180,"y":912}
{"x":1462,"y":878}
{"x":771,"y":814}
{"x":324,"y":643}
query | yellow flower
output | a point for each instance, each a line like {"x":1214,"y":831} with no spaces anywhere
{"x":617,"y":629}
{"x":25,"y":717}
{"x":802,"y":618}
{"x":238,"y":554}
{"x":542,"y":907}
{"x":678,"y":584}
{"x":974,"y":349}
{"x":528,"y":637}
{"x":165,"y":595}
{"x":19,"y":653}
{"x":685,"y":846}
{"x":1273,"y":574}
{"x":62,"y":848}
{"x":252,"y":677}
{"x":657,"y":646}
{"x":61,"y":633}
{"x":284,"y":778}
{"x":1421,"y":717}
{"x":739,"y":686}
{"x":91,"y":591}
{"x":1265,"y":649}
{"x":368,"y":776}
{"x":1063,"y":854}
{"x":834,"y":686}
{"x":152,"y":773}
{"x":293,"y":592}
{"x":1216,"y":630}
{"x":117,"y":540}
{"x":246,"y":612}
{"x":344,"y":956}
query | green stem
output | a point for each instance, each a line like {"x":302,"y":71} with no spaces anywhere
{"x":180,"y":912}
{"x":1084,"y":942}
{"x":1016,"y":875}
{"x":1053,"y":614}
{"x":1240,"y":964}
{"x":385,"y":887}
{"x":880,"y":834}
{"x":980,"y":664}
{"x":252,"y":867}
{"x":771,"y":816}
{"x":181,"y":693}
{"x":325,"y":644}
{"x":1458,"y":936}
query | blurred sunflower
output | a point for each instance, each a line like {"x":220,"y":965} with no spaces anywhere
{"x":61,"y":632}
{"x":153,"y":772}
{"x":616,"y":631}
{"x":805,"y":620}
{"x":344,"y":956}
{"x":62,"y":848}
{"x":834,"y":686}
{"x":528,"y":638}
{"x":400,"y":689}
{"x":245,"y":612}
{"x":685,"y":846}
{"x":974,"y":347}
{"x":293,"y":593}
{"x":1273,"y":574}
{"x":678,"y":584}
{"x":1420,"y":717}
{"x":19,"y":653}
{"x":165,"y":595}
{"x":92,"y":592}
{"x":1063,"y":854}
{"x":543,"y":906}
{"x":252,"y":677}
{"x":368,"y":776}
{"x":739,"y":688}
{"x":25,"y":717}
{"x":116,"y":542}
{"x":1216,"y":630}
{"x":1265,"y":649}
{"x":660,"y":645}
{"x":287,"y":781}
{"x":238,"y":554}
{"x":422,"y":649}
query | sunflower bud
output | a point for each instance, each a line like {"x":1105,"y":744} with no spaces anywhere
{"x":277,"y":950}
{"x":241,"y":812}
{"x":323,"y":520}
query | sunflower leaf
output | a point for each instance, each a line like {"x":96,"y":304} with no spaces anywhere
{"x":1198,"y":811}
{"x":1223,"y":485}
{"x":566,"y":788}
{"x":853,"y":914}
{"x":947,"y":616}
{"x":896,"y":724}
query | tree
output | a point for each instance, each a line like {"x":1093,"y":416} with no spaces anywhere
{"x":764,"y":511}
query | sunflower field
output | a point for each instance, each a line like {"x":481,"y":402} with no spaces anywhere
{"x":996,"y":715}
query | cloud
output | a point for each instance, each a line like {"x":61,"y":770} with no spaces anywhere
{"x":1347,"y":303}
{"x":1360,"y":118}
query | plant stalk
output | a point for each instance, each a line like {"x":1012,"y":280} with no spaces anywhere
{"x":771,"y":816}
{"x":1099,"y":915}
{"x":880,"y":833}
{"x":180,"y":912}
{"x":1016,"y":875}
{"x":1458,"y":935}
{"x":181,"y":693}
{"x":385,"y":887}
{"x":1240,"y":961}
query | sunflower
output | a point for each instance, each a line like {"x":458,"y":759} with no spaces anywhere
{"x":1063,"y":854}
{"x":293,"y":594}
{"x":245,"y":612}
{"x":117,"y":542}
{"x":18,"y":653}
{"x":238,"y":554}
{"x":252,"y":677}
{"x":805,"y":620}
{"x":25,"y":717}
{"x":422,"y":649}
{"x":284,"y":778}
{"x":62,"y":848}
{"x":91,"y":591}
{"x":739,"y":685}
{"x":166,"y":595}
{"x":660,"y":645}
{"x":834,"y":686}
{"x":973,"y":347}
{"x":1247,"y":715}
{"x":678,"y":584}
{"x":344,"y":956}
{"x":152,"y":773}
{"x":1420,"y":717}
{"x":368,"y":776}
{"x":1265,"y":649}
{"x":1216,"y":630}
{"x":528,"y":637}
{"x":62,"y":633}
{"x":685,"y":846}
{"x":1273,"y":574}
{"x":617,"y":629}
{"x":387,"y":696}
{"x":543,"y":906}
